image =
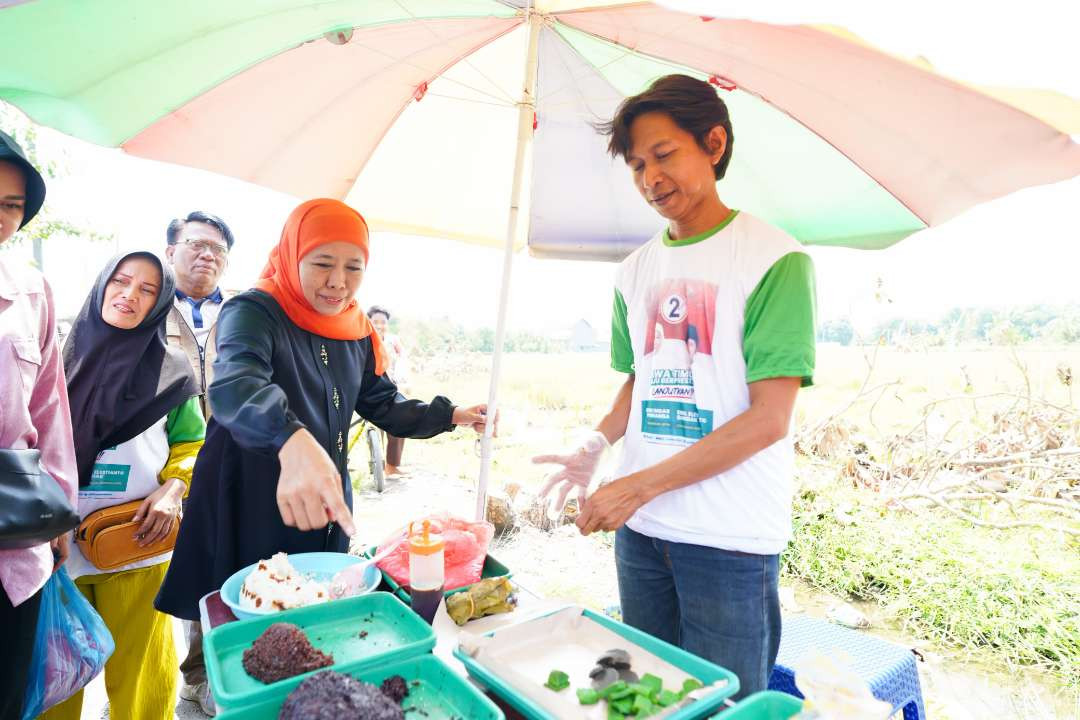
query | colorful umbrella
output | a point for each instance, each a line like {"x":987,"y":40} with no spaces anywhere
{"x":410,"y":109}
{"x":471,"y":119}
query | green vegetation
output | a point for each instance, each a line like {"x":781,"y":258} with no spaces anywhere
{"x":1045,"y":324}
{"x":1012,"y":595}
{"x":442,"y":336}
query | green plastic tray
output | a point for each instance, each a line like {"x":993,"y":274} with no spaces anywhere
{"x":694,"y":666}
{"x":391,"y":632}
{"x":441,"y":695}
{"x":766,"y":705}
{"x":492,"y":569}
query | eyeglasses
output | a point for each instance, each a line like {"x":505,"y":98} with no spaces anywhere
{"x":201,"y":246}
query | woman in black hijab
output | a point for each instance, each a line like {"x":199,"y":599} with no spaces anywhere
{"x":137,"y":428}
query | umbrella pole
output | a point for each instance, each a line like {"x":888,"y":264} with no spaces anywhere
{"x":526,"y":116}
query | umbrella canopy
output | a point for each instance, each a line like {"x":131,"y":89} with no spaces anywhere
{"x":409,"y":109}
{"x":472,"y":119}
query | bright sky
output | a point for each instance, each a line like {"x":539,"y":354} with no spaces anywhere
{"x":1032,"y":44}
{"x":1022,"y":249}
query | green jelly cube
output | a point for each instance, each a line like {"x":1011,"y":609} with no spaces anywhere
{"x":652,"y":682}
{"x":557,"y":680}
{"x":588,"y":696}
{"x":689,"y":685}
{"x":668,"y":698}
{"x":643,"y":707}
{"x":616,"y":687}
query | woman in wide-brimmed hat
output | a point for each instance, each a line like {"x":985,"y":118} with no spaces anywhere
{"x":33,"y":415}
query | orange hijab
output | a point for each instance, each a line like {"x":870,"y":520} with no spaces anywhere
{"x":315,"y":223}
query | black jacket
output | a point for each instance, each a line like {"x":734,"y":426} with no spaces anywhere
{"x":270,"y":379}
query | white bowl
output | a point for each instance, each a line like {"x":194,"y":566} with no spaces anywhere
{"x":320,"y":566}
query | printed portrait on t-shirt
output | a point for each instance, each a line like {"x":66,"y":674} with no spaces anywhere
{"x":683,"y":310}
{"x":677,"y":346}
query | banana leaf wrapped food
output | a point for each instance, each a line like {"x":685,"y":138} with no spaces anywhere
{"x":487,"y":597}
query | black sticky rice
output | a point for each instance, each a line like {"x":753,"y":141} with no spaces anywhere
{"x":330,"y":695}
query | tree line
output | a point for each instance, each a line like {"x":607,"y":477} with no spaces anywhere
{"x":443,"y":336}
{"x":1042,"y":324}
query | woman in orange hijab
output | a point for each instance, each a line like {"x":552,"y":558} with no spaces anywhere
{"x":296,"y":357}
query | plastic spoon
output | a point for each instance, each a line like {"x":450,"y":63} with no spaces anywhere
{"x":352,"y":577}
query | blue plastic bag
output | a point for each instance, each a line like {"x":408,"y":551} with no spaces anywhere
{"x":70,"y":649}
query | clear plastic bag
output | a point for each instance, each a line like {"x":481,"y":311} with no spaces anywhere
{"x":465,"y":553}
{"x":70,"y":649}
{"x":834,"y":691}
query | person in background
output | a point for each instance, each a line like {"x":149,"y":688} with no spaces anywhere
{"x":34,"y":414}
{"x":397,"y":369}
{"x":138,"y":428}
{"x":198,"y":249}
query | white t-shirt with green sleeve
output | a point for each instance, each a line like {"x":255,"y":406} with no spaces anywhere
{"x":697,"y":320}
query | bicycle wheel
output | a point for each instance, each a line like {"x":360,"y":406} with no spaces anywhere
{"x":356,"y":429}
{"x":374,"y":441}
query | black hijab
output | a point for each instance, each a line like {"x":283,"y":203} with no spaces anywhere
{"x":120,"y":382}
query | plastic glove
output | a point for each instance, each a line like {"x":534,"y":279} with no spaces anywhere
{"x":577,"y":471}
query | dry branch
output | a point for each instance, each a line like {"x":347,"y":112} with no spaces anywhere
{"x":1013,"y":466}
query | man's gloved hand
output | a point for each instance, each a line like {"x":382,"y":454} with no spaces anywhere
{"x":577,"y":470}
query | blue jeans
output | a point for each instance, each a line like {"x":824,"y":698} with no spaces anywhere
{"x":720,"y":605}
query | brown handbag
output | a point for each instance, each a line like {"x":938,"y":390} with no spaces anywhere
{"x":107,"y":537}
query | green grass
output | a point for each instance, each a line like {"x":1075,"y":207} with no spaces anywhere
{"x":1007,"y":595}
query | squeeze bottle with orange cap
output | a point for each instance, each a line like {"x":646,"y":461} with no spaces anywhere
{"x":427,"y":571}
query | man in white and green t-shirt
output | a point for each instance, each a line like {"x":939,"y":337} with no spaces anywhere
{"x":714,"y":323}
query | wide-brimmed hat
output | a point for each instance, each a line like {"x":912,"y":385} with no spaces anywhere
{"x":35,"y":184}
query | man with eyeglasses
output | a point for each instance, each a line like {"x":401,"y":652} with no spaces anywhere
{"x":198,"y":250}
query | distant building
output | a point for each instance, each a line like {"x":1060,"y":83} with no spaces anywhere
{"x":579,"y":337}
{"x":582,"y":337}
